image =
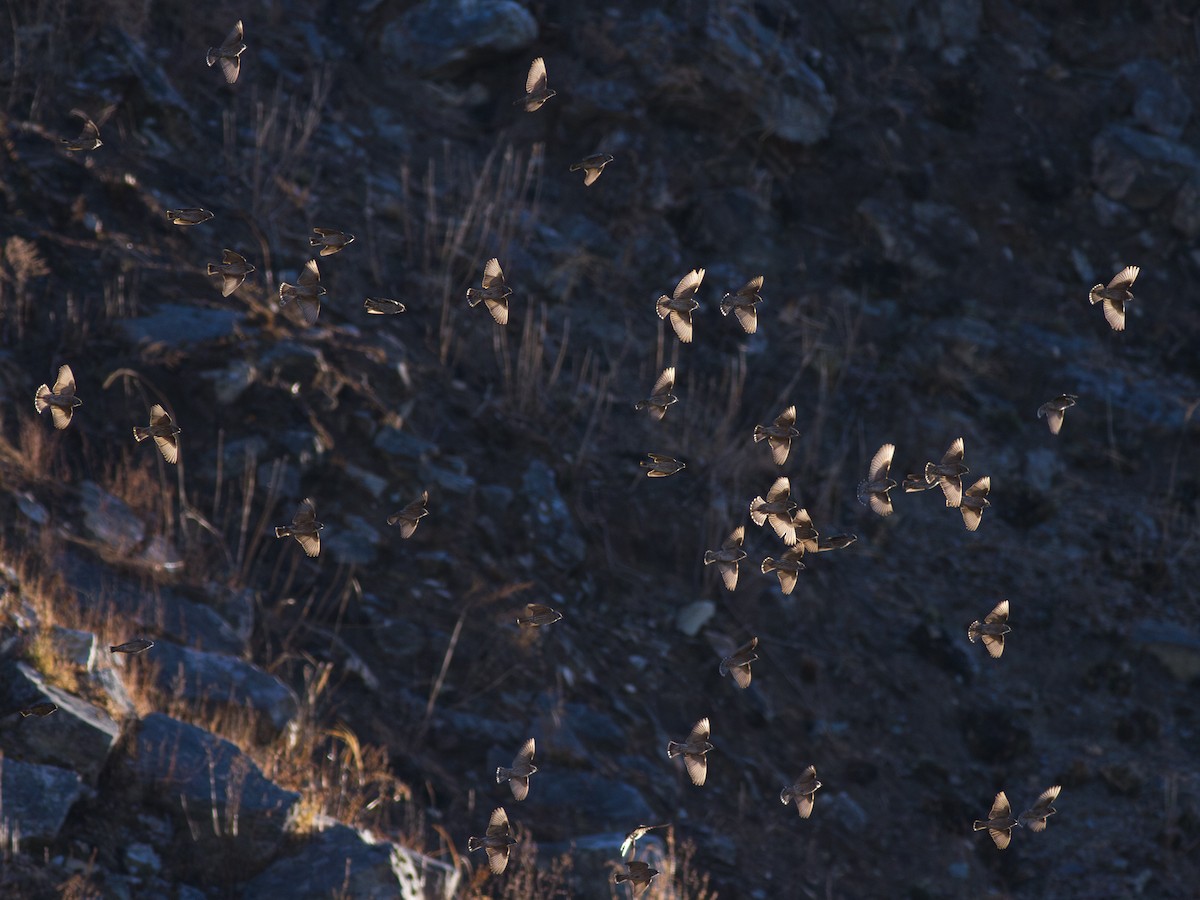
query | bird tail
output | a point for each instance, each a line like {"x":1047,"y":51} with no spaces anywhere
{"x":213,"y":270}
{"x":502,"y":774}
{"x":726,"y":305}
{"x":39,"y":399}
{"x":661,"y":306}
{"x":758,"y":517}
{"x":674,"y":749}
{"x":930,"y":474}
{"x":973,"y":635}
{"x":768,"y":565}
{"x":641,"y":404}
{"x":710,"y":557}
{"x":140,"y":433}
{"x":284,"y":292}
{"x":474,"y":297}
{"x":282,"y":531}
{"x":474,"y":843}
{"x":980,"y":826}
{"x":622,"y":876}
{"x":213,"y":56}
{"x":864,"y":495}
{"x":760,"y":433}
{"x":575,"y":167}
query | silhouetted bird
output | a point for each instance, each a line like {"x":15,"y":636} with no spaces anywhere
{"x":164,"y":432}
{"x":495,"y":842}
{"x":728,"y":557}
{"x":307,"y":292}
{"x":741,"y":303}
{"x":948,"y":473}
{"x":233,"y":270}
{"x":60,"y":399}
{"x":916,"y":482}
{"x":495,"y":292}
{"x":803,"y":792}
{"x":873,"y":490}
{"x":693,"y":750}
{"x":192,"y":215}
{"x":1000,"y":822}
{"x":304,"y":528}
{"x":537,"y":615}
{"x":639,"y":875}
{"x":409,"y":517}
{"x":660,"y":395}
{"x":787,"y":568}
{"x":141,"y":645}
{"x":636,"y":835}
{"x":89,"y":137}
{"x":835,"y":542}
{"x":806,"y":533}
{"x":1054,"y":410}
{"x":661,"y":466}
{"x":776,"y":509}
{"x":381,"y":306}
{"x":1115,"y":296}
{"x":975,"y":501}
{"x":1035,"y":817}
{"x":41,"y":710}
{"x":680,"y":304}
{"x":330,"y":240}
{"x":229,"y":54}
{"x":592,"y":166}
{"x":738,"y":662}
{"x":518,"y":776}
{"x":536,"y":92}
{"x":779,"y":435}
{"x":992,"y":629}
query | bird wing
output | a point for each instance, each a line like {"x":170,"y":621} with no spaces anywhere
{"x":747,"y":317}
{"x":1114,"y":313}
{"x":995,"y":646}
{"x":536,"y":79}
{"x":998,"y":614}
{"x":881,"y":462}
{"x":697,"y":768}
{"x":751,"y":287}
{"x":498,"y":309}
{"x":524,"y":756}
{"x":688,"y":284}
{"x":735,"y":539}
{"x":310,"y":274}
{"x":1000,"y":808}
{"x":780,"y":489}
{"x":1124,"y":278}
{"x":492,"y":273}
{"x":729,"y":574}
{"x":700,"y":731}
{"x":954,"y":454}
{"x":982,"y":487}
{"x":665,"y":382}
{"x":168,"y":446}
{"x":64,"y":384}
{"x":682,"y":323}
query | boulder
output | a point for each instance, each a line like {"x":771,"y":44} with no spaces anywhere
{"x":36,"y":799}
{"x":442,"y":37}
{"x":1138,"y":169}
{"x":177,"y":325}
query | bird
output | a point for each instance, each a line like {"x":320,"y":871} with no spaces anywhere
{"x":806,"y":533}
{"x":518,"y":776}
{"x":741,"y":303}
{"x":693,"y":750}
{"x":307,"y":292}
{"x":41,"y":710}
{"x":873,"y":490}
{"x":592,"y":166}
{"x":1115,"y":296}
{"x":61,"y":398}
{"x":776,"y":509}
{"x":233,"y":270}
{"x":636,"y":835}
{"x":680,"y":304}
{"x":1035,"y":817}
{"x":948,"y":473}
{"x":992,"y":629}
{"x":916,"y":482}
{"x":835,"y":542}
{"x":661,"y":466}
{"x":738,"y":662}
{"x":787,"y":568}
{"x":639,"y":874}
{"x":89,"y":137}
{"x":536,"y":615}
{"x":802,"y":791}
{"x":409,"y":517}
{"x":728,"y":557}
{"x":192,"y":215}
{"x":495,"y":292}
{"x":1000,"y":822}
{"x":229,"y":54}
{"x":536,"y":92}
{"x":495,"y":842}
{"x":304,"y":528}
{"x":381,"y":306}
{"x":779,"y":435}
{"x":139,"y":646}
{"x":330,"y":240}
{"x":163,"y":430}
{"x":975,"y":501}
{"x":660,"y":395}
{"x":1054,"y":410}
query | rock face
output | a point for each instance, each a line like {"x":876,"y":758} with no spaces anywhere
{"x":549,"y":518}
{"x":439,"y":37}
{"x":36,"y":798}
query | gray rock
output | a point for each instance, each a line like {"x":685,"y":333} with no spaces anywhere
{"x":373,"y":484}
{"x":948,"y":25}
{"x":1159,"y":103}
{"x":395,"y":442}
{"x":341,"y":861}
{"x":1175,"y":647}
{"x":548,"y":520}
{"x":1140,"y":170}
{"x":141,"y":860}
{"x":1185,"y":217}
{"x":582,"y":801}
{"x":451,"y":477}
{"x":36,"y":798}
{"x":440,"y":37}
{"x":691,"y":618}
{"x":928,"y":238}
{"x":202,"y":677}
{"x":352,"y":542}
{"x":75,"y":647}
{"x":230,"y":382}
{"x":109,"y":520}
{"x":180,"y":326}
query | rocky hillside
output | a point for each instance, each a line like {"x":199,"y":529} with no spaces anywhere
{"x":929,"y":189}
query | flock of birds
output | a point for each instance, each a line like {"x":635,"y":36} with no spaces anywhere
{"x":791,"y":524}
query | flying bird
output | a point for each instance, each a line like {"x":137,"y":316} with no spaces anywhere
{"x":1035,"y":817}
{"x":693,"y":750}
{"x":779,"y":435}
{"x":680,"y":304}
{"x":806,"y":533}
{"x":304,"y":528}
{"x":409,"y":517}
{"x":592,"y":166}
{"x":948,"y":473}
{"x":1054,"y":410}
{"x":787,"y":568}
{"x":537,"y":615}
{"x":163,"y":430}
{"x":307,"y":292}
{"x":738,"y":662}
{"x":192,"y":215}
{"x":495,"y":292}
{"x":873,"y":490}
{"x":229,"y":54}
{"x":518,"y":776}
{"x":639,"y":874}
{"x":661,"y":466}
{"x":728,"y":557}
{"x":992,"y":629}
{"x":835,"y":542}
{"x":913,"y":483}
{"x":233,"y":270}
{"x":139,"y":646}
{"x":330,"y":240}
{"x":741,"y":303}
{"x":660,"y":395}
{"x":803,"y":792}
{"x":636,"y":835}
{"x":975,"y":501}
{"x":61,"y":398}
{"x":776,"y":509}
{"x":536,"y":92}
{"x":89,"y":137}
{"x":41,"y":710}
{"x":381,"y":306}
{"x":1115,"y":296}
{"x":495,"y":841}
{"x":1000,"y":822}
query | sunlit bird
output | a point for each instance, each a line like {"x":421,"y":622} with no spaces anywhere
{"x":913,"y":483}
{"x":229,"y":54}
{"x":304,"y":528}
{"x":948,"y":473}
{"x":536,"y":92}
{"x":835,"y":542}
{"x":494,"y":294}
{"x":636,"y":835}
{"x":639,"y":874}
{"x":660,"y":466}
{"x":592,"y":166}
{"x":1115,"y":296}
{"x":806,"y":533}
{"x":409,"y":517}
{"x":1053,"y":411}
{"x":660,"y":395}
{"x":233,"y":270}
{"x":1000,"y":822}
{"x":779,"y":434}
{"x":693,"y":750}
{"x":330,"y":240}
{"x":787,"y":568}
{"x":777,"y":509}
{"x":873,"y":490}
{"x":382,"y":306}
{"x":60,"y":399}
{"x":518,"y":776}
{"x":727,"y":558}
{"x":41,"y":710}
{"x":537,"y":615}
{"x":141,"y":645}
{"x":742,"y":304}
{"x":678,"y":307}
{"x":975,"y":501}
{"x":164,"y":431}
{"x":1035,"y":817}
{"x":192,"y":215}
{"x":495,"y":841}
{"x":992,"y":630}
{"x":307,"y":292}
{"x":89,"y":137}
{"x":802,"y":792}
{"x":737,"y":663}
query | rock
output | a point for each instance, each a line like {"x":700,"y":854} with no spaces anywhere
{"x":341,"y":861}
{"x":373,"y":484}
{"x":950,"y":26}
{"x":201,"y":677}
{"x":929,"y":239}
{"x":1174,"y":646}
{"x":441,"y":37}
{"x":694,"y":616}
{"x":230,"y":382}
{"x":77,"y":648}
{"x":451,"y":477}
{"x":1185,"y":218}
{"x":1159,"y":103}
{"x":395,"y":442}
{"x":181,"y":326}
{"x":141,"y":860}
{"x":548,"y":520}
{"x":1140,"y":170}
{"x":581,"y":800}
{"x":109,"y":520}
{"x":36,"y":798}
{"x":78,"y":736}
{"x":354,"y":542}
